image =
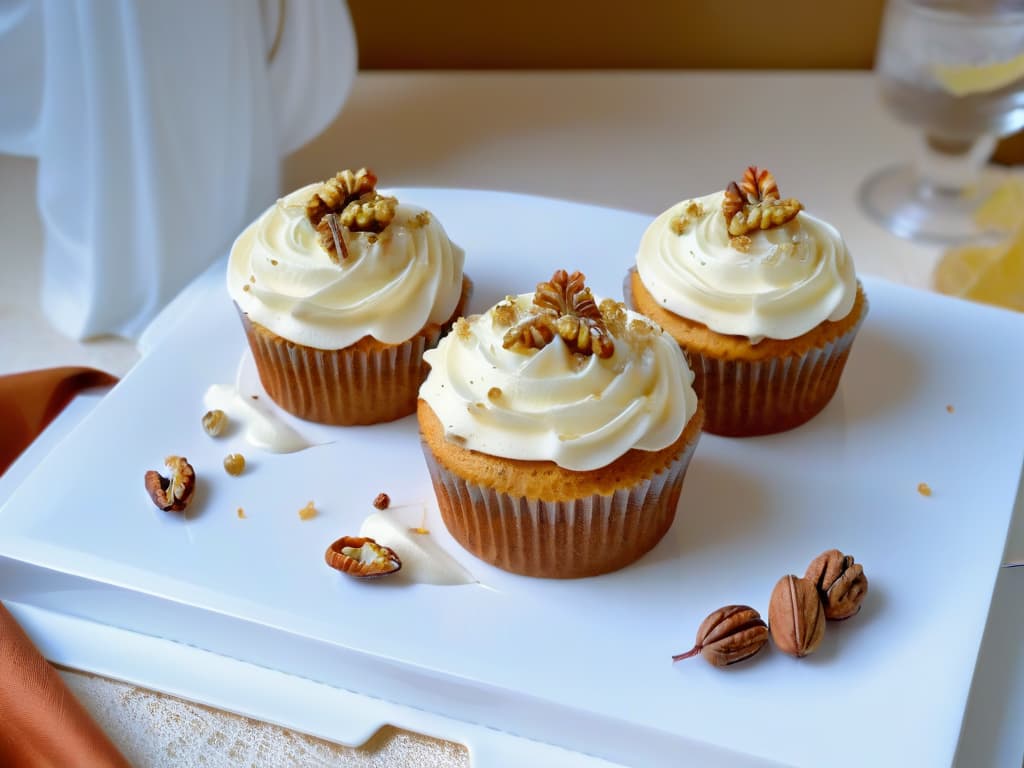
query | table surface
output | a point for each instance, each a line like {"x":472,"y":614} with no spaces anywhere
{"x":635,"y":141}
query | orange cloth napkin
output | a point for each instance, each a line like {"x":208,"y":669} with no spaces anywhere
{"x":41,"y":722}
{"x":30,"y":401}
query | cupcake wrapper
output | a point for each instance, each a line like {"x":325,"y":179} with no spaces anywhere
{"x":342,"y":387}
{"x":746,"y":398}
{"x":559,"y":539}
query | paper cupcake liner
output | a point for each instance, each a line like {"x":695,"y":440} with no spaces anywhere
{"x":746,"y":398}
{"x":350,"y":386}
{"x":342,"y":387}
{"x":559,"y":539}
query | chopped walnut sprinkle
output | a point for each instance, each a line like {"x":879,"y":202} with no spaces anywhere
{"x":215,"y":422}
{"x":562,"y":307}
{"x":949,"y":409}
{"x":505,"y":313}
{"x":680,"y":223}
{"x":741,"y":243}
{"x":924,"y":489}
{"x":462,"y":329}
{"x":494,"y":394}
{"x":382,"y":501}
{"x":240,"y":513}
{"x":308,"y":512}
{"x":754,"y":203}
{"x":234,"y":464}
{"x":421,"y":219}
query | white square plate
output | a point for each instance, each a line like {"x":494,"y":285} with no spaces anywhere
{"x":583,"y":664}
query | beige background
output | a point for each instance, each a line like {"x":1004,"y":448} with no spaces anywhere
{"x":612,"y":34}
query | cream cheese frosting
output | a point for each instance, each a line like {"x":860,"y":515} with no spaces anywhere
{"x":579,"y":411}
{"x":788,"y":280}
{"x":390,"y":286}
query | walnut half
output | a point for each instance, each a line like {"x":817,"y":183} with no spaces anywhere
{"x":348,"y":202}
{"x":173,"y":493}
{"x":754,"y":203}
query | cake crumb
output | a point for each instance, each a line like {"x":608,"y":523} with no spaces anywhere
{"x":383,"y":501}
{"x":950,"y":409}
{"x":308,"y":512}
{"x":241,"y":513}
{"x":924,"y":489}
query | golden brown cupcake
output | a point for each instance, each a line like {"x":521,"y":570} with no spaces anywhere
{"x":341,"y":289}
{"x":760,"y":295}
{"x":557,"y":429}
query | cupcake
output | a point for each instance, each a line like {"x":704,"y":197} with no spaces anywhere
{"x":557,"y":430}
{"x":341,"y":290}
{"x":762,"y":298}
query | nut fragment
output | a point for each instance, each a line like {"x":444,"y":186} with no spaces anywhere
{"x":362,"y":557}
{"x":172,"y":493}
{"x":796,"y":619}
{"x":565,"y":307}
{"x":234,"y":464}
{"x":728,"y":635}
{"x":840,"y":582}
{"x":215,"y":422}
{"x":308,"y":512}
{"x":382,"y":501}
{"x":754,"y":203}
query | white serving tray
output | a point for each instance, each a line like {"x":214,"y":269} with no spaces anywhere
{"x":581,"y":664}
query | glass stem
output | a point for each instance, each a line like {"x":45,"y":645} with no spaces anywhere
{"x":950,"y":167}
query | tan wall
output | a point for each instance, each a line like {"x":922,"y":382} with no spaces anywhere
{"x":615,"y":34}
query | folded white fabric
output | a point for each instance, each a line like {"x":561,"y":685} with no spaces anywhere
{"x":160,"y":129}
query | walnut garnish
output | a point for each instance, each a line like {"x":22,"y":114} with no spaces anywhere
{"x":741,"y":243}
{"x":754,"y":203}
{"x":349,"y":202}
{"x":494,"y":394}
{"x":173,"y":493}
{"x":680,"y":223}
{"x":308,"y":512}
{"x":462,"y":329}
{"x":924,"y":489}
{"x":214,"y":422}
{"x":362,"y":557}
{"x":382,"y":501}
{"x":234,"y":464}
{"x":505,"y":312}
{"x":563,"y":307}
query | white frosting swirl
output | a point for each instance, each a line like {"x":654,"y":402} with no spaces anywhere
{"x":390,"y":286}
{"x":791,"y":279}
{"x":581,"y":412}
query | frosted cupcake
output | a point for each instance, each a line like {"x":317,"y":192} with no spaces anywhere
{"x":557,"y":430}
{"x":760,"y":295}
{"x":341,"y":290}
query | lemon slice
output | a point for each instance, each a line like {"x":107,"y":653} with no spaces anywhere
{"x":1003,"y":210}
{"x":979,"y":78}
{"x":989,"y":274}
{"x":992,"y":274}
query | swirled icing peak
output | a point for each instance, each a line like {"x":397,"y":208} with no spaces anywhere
{"x":553,"y":401}
{"x":392,"y":279}
{"x":747,"y":263}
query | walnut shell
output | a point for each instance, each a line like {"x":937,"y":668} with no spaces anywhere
{"x":348,"y":556}
{"x":796,"y":619}
{"x":728,"y":635}
{"x":840,"y":582}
